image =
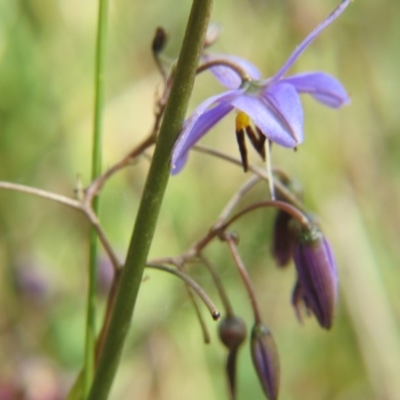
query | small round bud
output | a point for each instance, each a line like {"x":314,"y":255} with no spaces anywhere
{"x":232,"y":332}
{"x":265,"y":360}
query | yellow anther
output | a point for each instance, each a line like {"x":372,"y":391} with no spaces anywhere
{"x":242,"y":121}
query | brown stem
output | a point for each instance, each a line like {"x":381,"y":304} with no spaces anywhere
{"x":42,"y":193}
{"x":282,"y":205}
{"x":220,"y":287}
{"x":83,"y":207}
{"x":294,"y":212}
{"x":215,"y":314}
{"x":244,"y":275}
{"x":226,"y":63}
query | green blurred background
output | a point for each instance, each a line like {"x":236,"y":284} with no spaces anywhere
{"x":348,"y":166}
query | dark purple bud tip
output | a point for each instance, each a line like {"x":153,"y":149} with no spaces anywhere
{"x":282,"y":239}
{"x":317,"y":276}
{"x":232,"y":332}
{"x":159,"y":40}
{"x":265,"y":360}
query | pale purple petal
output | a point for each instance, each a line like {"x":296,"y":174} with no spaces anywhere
{"x":277,"y":112}
{"x":284,"y":101}
{"x":227,"y":76}
{"x":323,"y":87}
{"x":309,"y":39}
{"x":198,"y":124}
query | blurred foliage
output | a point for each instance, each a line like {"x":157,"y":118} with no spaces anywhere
{"x":348,"y":166}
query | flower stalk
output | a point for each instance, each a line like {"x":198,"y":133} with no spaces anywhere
{"x":151,"y":199}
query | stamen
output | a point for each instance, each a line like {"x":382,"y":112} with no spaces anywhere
{"x":242,"y":148}
{"x":261,"y":143}
{"x":251,"y":134}
{"x":257,"y":139}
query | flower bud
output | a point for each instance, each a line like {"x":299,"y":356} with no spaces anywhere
{"x":265,"y":360}
{"x":159,"y":40}
{"x":317,"y":276}
{"x":232,"y":332}
{"x":282,"y":239}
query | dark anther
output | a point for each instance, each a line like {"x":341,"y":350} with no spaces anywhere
{"x":242,"y":148}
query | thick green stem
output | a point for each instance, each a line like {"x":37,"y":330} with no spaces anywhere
{"x":90,"y":342}
{"x":151,"y":199}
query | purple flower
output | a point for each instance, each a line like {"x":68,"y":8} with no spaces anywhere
{"x":272,"y":105}
{"x":317,"y":281}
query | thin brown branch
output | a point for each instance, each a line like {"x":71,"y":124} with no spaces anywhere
{"x":293,"y":211}
{"x":215,"y":314}
{"x":244,"y":275}
{"x":42,"y":193}
{"x":83,"y":207}
{"x":220,"y":287}
{"x":244,"y":76}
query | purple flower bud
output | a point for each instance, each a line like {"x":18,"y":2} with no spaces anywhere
{"x":317,"y":276}
{"x":265,"y":360}
{"x":282,"y":239}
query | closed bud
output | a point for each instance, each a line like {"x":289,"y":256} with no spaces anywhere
{"x":232,"y":332}
{"x":159,"y":40}
{"x":282,"y":239}
{"x":265,"y":360}
{"x":317,"y":276}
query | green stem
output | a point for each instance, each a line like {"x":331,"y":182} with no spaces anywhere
{"x":90,"y":342}
{"x":151,"y":199}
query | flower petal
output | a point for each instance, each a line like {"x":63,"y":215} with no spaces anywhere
{"x":323,"y":87}
{"x":285,"y":103}
{"x":198,"y":124}
{"x":310,"y":38}
{"x":277,"y":113}
{"x":227,"y":76}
